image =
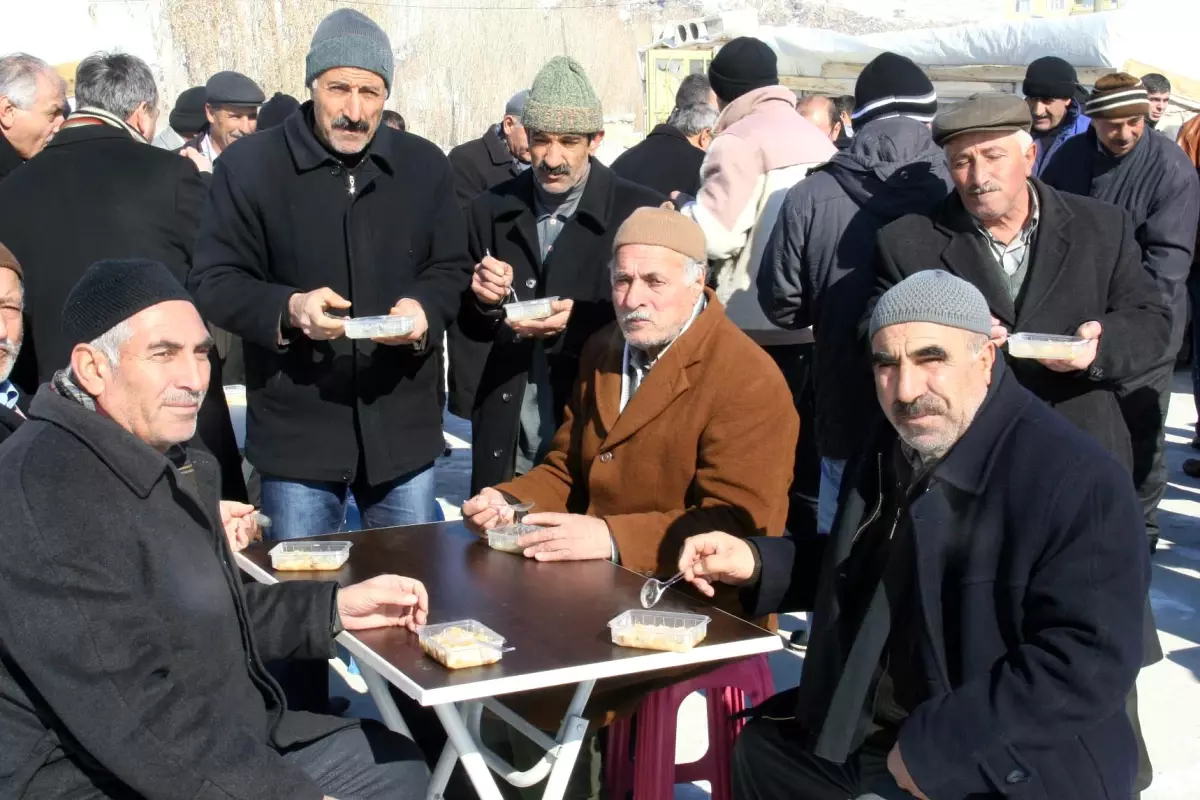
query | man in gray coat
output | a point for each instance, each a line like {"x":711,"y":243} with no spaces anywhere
{"x":817,"y":267}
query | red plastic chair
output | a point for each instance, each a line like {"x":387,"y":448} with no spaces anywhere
{"x":651,"y":774}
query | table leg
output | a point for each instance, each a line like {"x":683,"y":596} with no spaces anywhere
{"x":383,"y":701}
{"x":570,"y":738}
{"x":468,"y":751}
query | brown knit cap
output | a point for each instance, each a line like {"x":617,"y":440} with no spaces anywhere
{"x":665,"y":228}
{"x":1118,"y":96}
{"x":7,"y":259}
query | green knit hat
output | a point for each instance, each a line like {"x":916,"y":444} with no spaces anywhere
{"x":562,"y":100}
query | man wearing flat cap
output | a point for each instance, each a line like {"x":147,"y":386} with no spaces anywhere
{"x":1123,"y":161}
{"x":678,"y":424}
{"x":978,"y":606}
{"x":231,"y":102}
{"x":547,"y":233}
{"x":154,"y":684}
{"x":327,"y":216}
{"x":1055,"y":101}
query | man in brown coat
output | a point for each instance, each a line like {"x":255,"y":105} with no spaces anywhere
{"x":678,"y":422}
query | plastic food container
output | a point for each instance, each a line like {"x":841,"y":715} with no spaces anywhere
{"x":377,"y":327}
{"x":1046,"y":346}
{"x":461,"y":644}
{"x":659,"y":630}
{"x":530,"y":309}
{"x":309,"y":556}
{"x":505,"y":538}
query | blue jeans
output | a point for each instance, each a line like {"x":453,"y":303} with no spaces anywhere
{"x":1193,"y":285}
{"x":827,"y":502}
{"x":311,"y":508}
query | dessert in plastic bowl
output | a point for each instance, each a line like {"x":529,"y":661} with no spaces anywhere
{"x":309,"y":556}
{"x":378,"y":327}
{"x":1047,"y":346}
{"x":658,"y":630}
{"x":462,"y":644}
{"x":505,"y":537}
{"x":530,"y":309}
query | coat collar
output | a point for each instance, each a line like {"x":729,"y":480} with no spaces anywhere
{"x":308,"y":153}
{"x":10,"y":159}
{"x":663,"y":384}
{"x":669,"y":131}
{"x":496,"y":148}
{"x":750,"y":103}
{"x":86,"y":133}
{"x":133,"y":461}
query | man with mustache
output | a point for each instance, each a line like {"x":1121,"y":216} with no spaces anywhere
{"x":33,"y":104}
{"x":1122,"y":161}
{"x":978,"y":607}
{"x":1051,"y":89}
{"x":231,"y":110}
{"x":327,"y":216}
{"x":546,"y":233}
{"x":134,"y":656}
{"x":99,"y":190}
{"x":678,"y":424}
{"x":13,"y":404}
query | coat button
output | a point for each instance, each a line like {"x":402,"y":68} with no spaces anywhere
{"x":1016,"y":776}
{"x":497,"y":453}
{"x":506,"y":397}
{"x":532,"y":282}
{"x":606,"y":457}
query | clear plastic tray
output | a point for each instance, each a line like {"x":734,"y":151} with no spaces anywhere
{"x":1046,"y":346}
{"x":378,"y":327}
{"x":659,"y":630}
{"x":461,"y":644}
{"x":505,"y":538}
{"x":530,"y":309}
{"x":309,"y":556}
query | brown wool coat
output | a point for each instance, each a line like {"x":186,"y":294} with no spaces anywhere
{"x":706,"y":444}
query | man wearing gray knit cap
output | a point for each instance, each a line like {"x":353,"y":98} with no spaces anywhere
{"x":980,"y":621}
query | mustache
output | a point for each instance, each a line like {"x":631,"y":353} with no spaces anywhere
{"x":10,"y":348}
{"x":637,"y":315}
{"x":344,"y":123}
{"x":179,"y":397}
{"x":923,"y":406}
{"x":984,"y":188}
{"x":561,"y":170}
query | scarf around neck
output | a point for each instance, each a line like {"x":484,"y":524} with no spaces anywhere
{"x":100,"y":116}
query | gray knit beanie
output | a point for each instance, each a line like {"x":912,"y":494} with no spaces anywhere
{"x":562,"y":100}
{"x":933,"y":296}
{"x":347,"y":38}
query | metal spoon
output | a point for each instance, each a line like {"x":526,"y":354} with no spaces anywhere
{"x":519,"y":510}
{"x":652,"y":590}
{"x":511,"y":291}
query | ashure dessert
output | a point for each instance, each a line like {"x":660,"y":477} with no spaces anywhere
{"x":309,"y":556}
{"x":459,"y":645}
{"x":659,"y":630}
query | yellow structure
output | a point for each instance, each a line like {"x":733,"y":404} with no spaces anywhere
{"x":666,"y":68}
{"x":1049,"y":9}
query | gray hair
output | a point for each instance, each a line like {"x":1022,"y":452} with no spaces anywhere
{"x":695,"y":119}
{"x":19,"y":78}
{"x":115,"y":82}
{"x":110,"y":342}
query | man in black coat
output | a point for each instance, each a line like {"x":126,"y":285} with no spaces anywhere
{"x":669,"y":158}
{"x":33,"y":104}
{"x":326,"y":216}
{"x":547,"y":233}
{"x":13,"y":403}
{"x":133,"y":653}
{"x":1122,"y":161}
{"x":978,"y":606}
{"x":98,"y":191}
{"x":1046,"y":262}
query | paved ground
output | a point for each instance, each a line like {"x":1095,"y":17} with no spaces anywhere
{"x":1169,"y":691}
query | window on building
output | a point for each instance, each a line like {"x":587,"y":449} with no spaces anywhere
{"x":1058,"y":5}
{"x":1021,"y":6}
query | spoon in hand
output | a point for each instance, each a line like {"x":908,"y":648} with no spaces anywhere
{"x":652,"y":590}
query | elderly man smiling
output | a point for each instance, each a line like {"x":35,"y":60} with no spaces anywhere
{"x":679,"y":424}
{"x":979,"y":617}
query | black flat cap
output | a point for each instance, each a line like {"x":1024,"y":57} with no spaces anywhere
{"x":233,"y":89}
{"x":991,"y":111}
{"x":188,"y":114}
{"x":111,"y":292}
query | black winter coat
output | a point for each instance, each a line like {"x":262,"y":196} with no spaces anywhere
{"x":1031,"y":572}
{"x":132,"y":656}
{"x":1157,"y":185}
{"x":817,"y":268}
{"x":664,"y":161}
{"x":9,"y":422}
{"x":1086,"y":265}
{"x":95,"y":193}
{"x":503,"y":222}
{"x":284,"y":216}
{"x":10,"y":159}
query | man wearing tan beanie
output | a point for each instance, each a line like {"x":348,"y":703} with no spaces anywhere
{"x":678,"y":424}
{"x":1123,"y":161}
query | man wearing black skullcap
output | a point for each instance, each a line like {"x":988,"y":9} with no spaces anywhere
{"x":186,"y":120}
{"x":153,"y":681}
{"x":276,"y":110}
{"x":230,"y":112}
{"x":99,"y":190}
{"x":1053,"y":93}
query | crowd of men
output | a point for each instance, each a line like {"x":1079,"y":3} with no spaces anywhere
{"x":774,"y":361}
